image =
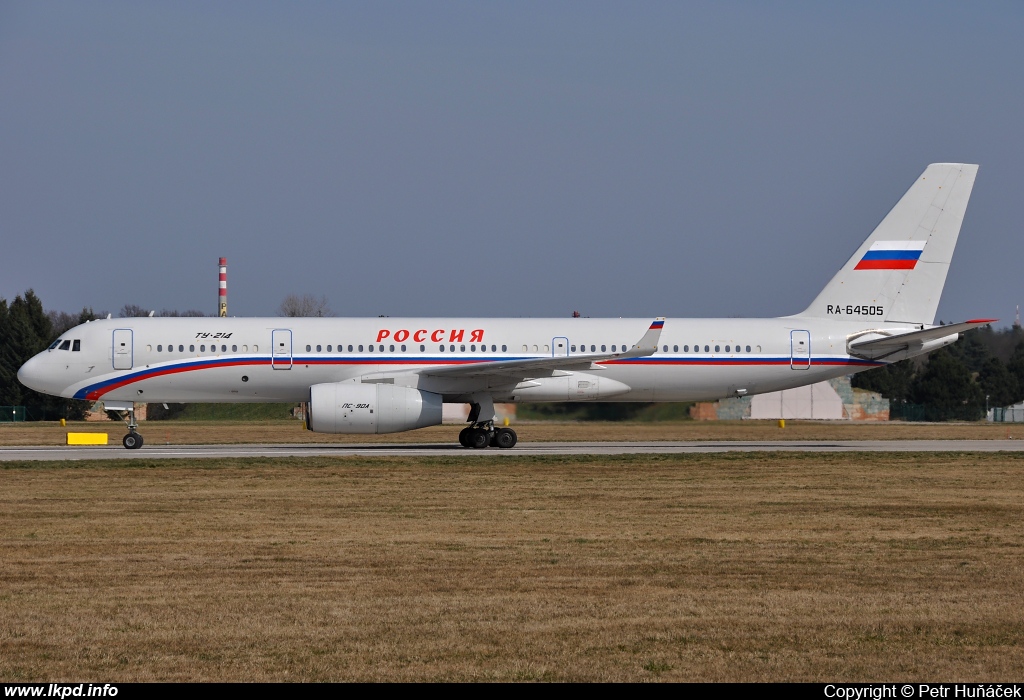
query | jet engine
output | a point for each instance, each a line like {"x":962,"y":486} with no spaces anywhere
{"x":370,"y":408}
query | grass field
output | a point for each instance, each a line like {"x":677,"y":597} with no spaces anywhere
{"x":203,"y":432}
{"x":770,"y":566}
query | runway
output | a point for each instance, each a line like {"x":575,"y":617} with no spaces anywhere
{"x":111,"y":452}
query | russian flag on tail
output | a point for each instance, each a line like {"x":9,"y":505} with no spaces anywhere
{"x":891,"y":255}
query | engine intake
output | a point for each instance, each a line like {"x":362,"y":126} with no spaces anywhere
{"x":371,"y":408}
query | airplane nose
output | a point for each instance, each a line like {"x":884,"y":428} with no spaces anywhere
{"x":32,"y":374}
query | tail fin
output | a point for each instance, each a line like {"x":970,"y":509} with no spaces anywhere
{"x":898,"y":273}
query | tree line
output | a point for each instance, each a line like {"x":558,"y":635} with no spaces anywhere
{"x":984,"y":369}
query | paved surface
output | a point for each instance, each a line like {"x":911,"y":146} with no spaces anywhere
{"x":8,"y":454}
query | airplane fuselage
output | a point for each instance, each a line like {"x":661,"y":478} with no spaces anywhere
{"x":277,"y":359}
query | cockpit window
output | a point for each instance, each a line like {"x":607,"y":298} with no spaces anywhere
{"x":76,"y":346}
{"x":66,"y":345}
{"x":54,"y":344}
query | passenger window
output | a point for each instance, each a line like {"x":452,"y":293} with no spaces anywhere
{"x":66,"y":345}
{"x":472,"y":348}
{"x":717,"y":348}
{"x":403,"y":348}
{"x":686,"y":348}
{"x":76,"y":346}
{"x":503,"y":348}
{"x":381,"y":348}
{"x":613,"y":348}
{"x":423,"y":348}
{"x":234,"y":348}
{"x":370,"y":348}
{"x":675,"y":348}
{"x":593,"y":348}
{"x":664,"y":348}
{"x":707,"y":349}
{"x":202,"y":348}
{"x":329,"y":348}
{"x":748,"y":348}
{"x":308,"y":348}
{"x":604,"y":350}
{"x":223,"y":348}
{"x":191,"y":348}
{"x":360,"y":348}
{"x":255,"y":348}
{"x":319,"y":348}
{"x":462,"y":348}
{"x":452,"y":348}
{"x":159,"y":348}
{"x":727,"y":348}
{"x":181,"y":348}
{"x":440,"y":348}
{"x":494,"y":348}
{"x":245,"y":348}
{"x":572,"y":348}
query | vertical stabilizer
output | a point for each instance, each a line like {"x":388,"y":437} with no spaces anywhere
{"x":898,"y":273}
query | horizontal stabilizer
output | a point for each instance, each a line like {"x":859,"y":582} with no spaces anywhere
{"x":881,"y":343}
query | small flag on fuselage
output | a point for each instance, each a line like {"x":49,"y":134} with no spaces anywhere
{"x":891,"y":255}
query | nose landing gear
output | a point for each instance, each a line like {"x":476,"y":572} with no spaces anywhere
{"x":132,"y":440}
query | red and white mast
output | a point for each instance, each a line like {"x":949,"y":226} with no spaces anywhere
{"x":222,"y":291}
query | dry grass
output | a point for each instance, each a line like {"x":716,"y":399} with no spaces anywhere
{"x":686,"y":567}
{"x":291,"y":431}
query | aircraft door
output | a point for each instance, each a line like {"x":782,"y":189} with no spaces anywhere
{"x":800,"y":349}
{"x":123,"y":353}
{"x":281,"y":348}
{"x":559,"y":347}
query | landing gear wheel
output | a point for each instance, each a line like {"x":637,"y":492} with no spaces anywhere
{"x":478,"y":438}
{"x":132,"y":441}
{"x":464,"y":437}
{"x":505,"y":438}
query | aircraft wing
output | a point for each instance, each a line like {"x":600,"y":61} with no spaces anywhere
{"x":647,"y":345}
{"x":892,"y":342}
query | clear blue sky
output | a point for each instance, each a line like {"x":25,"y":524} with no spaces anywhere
{"x":522,"y":159}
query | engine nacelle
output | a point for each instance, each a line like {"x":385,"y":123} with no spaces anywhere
{"x":371,"y":408}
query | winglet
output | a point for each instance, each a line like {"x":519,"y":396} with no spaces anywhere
{"x":649,"y":343}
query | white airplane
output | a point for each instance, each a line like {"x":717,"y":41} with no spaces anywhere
{"x":385,"y":375}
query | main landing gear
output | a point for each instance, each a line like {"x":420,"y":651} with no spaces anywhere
{"x":481,"y":432}
{"x":481,"y":435}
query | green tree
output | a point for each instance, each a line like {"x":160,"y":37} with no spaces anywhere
{"x":893,"y":381}
{"x":946,"y":389}
{"x":999,"y":385}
